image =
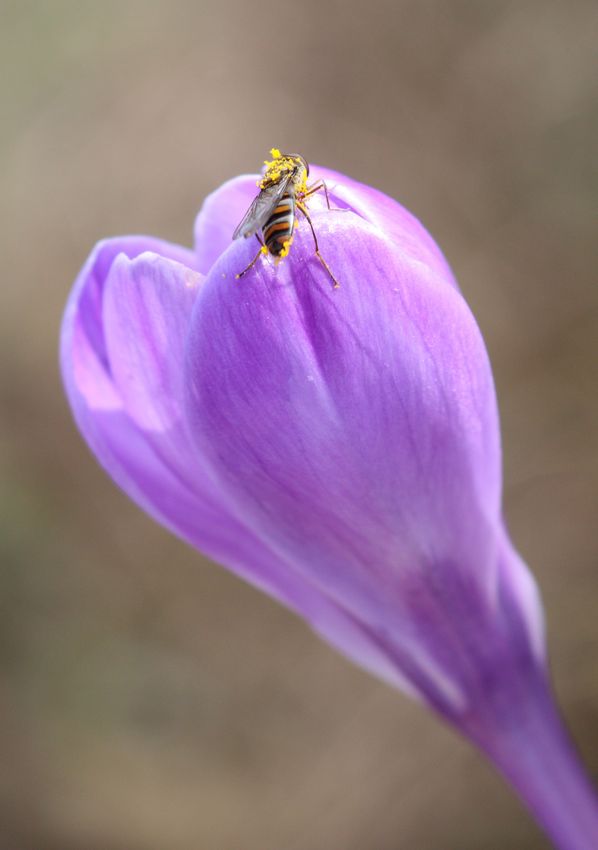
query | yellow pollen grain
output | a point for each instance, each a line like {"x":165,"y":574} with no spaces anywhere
{"x":286,"y":246}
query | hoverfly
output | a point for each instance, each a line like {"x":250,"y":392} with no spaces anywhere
{"x":283,"y":188}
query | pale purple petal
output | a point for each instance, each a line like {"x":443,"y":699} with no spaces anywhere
{"x":122,"y":355}
{"x":367,"y":477}
{"x":305,"y":437}
{"x":390,"y":217}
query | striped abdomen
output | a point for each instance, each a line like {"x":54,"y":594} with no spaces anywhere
{"x":279,"y":227}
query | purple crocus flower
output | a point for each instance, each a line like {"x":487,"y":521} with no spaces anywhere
{"x":337,"y":448}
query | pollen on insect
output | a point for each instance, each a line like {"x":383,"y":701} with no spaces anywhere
{"x":276,"y":168}
{"x":286,"y":246}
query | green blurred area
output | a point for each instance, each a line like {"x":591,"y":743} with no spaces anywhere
{"x":150,"y":700}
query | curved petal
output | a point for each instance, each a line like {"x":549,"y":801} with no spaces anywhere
{"x":146,"y":308}
{"x":390,"y":217}
{"x":87,"y":293}
{"x":97,"y":401}
{"x":111,"y":369}
{"x":363,"y":477}
{"x":121,"y":354}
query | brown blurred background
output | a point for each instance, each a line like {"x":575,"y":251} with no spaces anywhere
{"x":150,"y":701}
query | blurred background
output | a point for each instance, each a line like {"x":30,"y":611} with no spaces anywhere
{"x":150,"y":701}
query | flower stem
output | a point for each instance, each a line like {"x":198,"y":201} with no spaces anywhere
{"x":536,"y":756}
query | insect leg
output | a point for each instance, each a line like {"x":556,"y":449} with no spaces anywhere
{"x":255,"y":259}
{"x":317,"y":187}
{"x":318,"y":255}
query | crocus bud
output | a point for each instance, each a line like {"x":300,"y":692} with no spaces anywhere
{"x":338,"y":448}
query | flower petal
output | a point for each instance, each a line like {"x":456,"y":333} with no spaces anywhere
{"x":122,"y":345}
{"x":97,"y":402}
{"x":390,"y":217}
{"x":359,"y":476}
{"x":108,"y":378}
{"x":146,"y":308}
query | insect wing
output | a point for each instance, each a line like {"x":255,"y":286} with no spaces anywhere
{"x":260,"y":210}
